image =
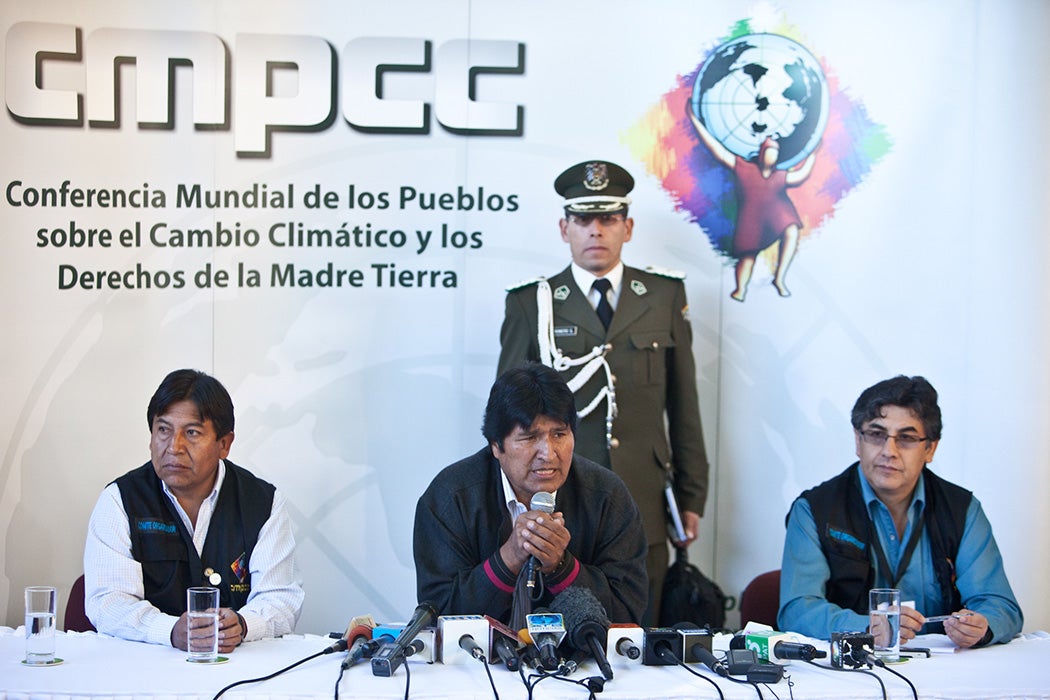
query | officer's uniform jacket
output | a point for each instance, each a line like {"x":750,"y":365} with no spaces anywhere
{"x":652,"y":364}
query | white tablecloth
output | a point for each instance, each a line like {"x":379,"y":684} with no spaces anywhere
{"x":102,"y":667}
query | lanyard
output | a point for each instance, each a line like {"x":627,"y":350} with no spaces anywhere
{"x":909,"y":549}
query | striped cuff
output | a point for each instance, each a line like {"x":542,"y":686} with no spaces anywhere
{"x":499,"y":575}
{"x":564,"y":575}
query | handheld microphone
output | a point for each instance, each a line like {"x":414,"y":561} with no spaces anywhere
{"x":503,"y":644}
{"x":546,"y":629}
{"x":765,"y":642}
{"x":365,"y":649}
{"x":587,"y":623}
{"x":359,"y":633}
{"x":626,"y":640}
{"x":354,"y":653}
{"x":389,"y":657}
{"x":467,"y":644}
{"x":529,"y":654}
{"x":850,"y":649}
{"x":663,"y":647}
{"x":451,"y":631}
{"x":414,"y":647}
{"x":693,"y":639}
{"x":797,"y":651}
{"x":541,"y":500}
{"x":704,"y":655}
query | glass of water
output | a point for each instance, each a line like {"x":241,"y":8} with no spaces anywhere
{"x":41,"y":602}
{"x":202,"y":631}
{"x":884,"y":616}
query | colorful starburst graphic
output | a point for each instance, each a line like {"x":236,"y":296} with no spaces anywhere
{"x":701,"y":185}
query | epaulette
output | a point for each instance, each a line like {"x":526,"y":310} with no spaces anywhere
{"x":525,"y":283}
{"x":664,"y":272}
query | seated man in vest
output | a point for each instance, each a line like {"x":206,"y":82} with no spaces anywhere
{"x":189,"y":517}
{"x":887,"y":521}
{"x":475,"y":529}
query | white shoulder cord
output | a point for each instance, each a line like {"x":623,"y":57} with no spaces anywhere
{"x":552,"y":356}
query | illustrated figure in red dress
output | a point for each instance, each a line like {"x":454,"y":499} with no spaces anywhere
{"x":765,"y":214}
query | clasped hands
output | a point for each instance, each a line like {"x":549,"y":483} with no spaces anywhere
{"x":539,"y":534}
{"x":231,"y":630}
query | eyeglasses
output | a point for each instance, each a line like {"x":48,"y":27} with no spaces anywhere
{"x":878,"y":438}
{"x":603,"y":219}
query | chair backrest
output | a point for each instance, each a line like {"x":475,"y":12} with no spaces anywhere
{"x":760,"y":601}
{"x":76,"y":620}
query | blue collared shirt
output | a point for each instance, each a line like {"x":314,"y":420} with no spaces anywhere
{"x":981,"y":578}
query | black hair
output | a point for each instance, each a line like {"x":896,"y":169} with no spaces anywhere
{"x":914,"y":393}
{"x":521,"y":395}
{"x":206,"y":392}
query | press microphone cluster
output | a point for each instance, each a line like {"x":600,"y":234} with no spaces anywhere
{"x":576,"y":623}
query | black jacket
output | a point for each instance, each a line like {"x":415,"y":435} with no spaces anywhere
{"x":846,"y":535}
{"x":164,"y":548}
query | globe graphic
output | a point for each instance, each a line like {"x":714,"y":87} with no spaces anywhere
{"x":762,"y":85}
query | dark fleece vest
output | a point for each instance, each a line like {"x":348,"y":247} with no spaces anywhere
{"x":846,"y":535}
{"x":164,"y":548}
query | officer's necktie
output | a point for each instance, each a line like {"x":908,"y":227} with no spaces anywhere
{"x":604,"y":308}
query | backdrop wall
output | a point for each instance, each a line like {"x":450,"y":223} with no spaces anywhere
{"x":359,"y":366}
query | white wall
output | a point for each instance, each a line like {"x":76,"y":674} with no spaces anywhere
{"x":350,"y":399}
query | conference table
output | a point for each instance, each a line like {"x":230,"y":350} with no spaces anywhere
{"x":97,"y":666}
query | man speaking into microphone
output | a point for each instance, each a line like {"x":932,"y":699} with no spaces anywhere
{"x":475,"y":531}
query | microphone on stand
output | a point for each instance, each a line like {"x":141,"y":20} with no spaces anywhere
{"x":545,"y":630}
{"x":586,"y":622}
{"x":503,"y":644}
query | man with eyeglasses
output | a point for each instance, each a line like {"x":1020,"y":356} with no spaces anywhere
{"x":888,"y":521}
{"x":621,"y":338}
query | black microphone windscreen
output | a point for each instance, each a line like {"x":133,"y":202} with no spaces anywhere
{"x":583,"y":614}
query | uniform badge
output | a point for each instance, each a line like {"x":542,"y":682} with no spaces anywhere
{"x":148,"y":526}
{"x":565,"y":331}
{"x":562,"y":292}
{"x":240,"y":567}
{"x":597,"y":176}
{"x":638,"y":288}
{"x":685,"y":312}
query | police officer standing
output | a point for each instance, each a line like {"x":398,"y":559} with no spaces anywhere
{"x":621,"y":338}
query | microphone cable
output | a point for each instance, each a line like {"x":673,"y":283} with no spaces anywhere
{"x":667,"y":655}
{"x":593,"y":684}
{"x":720,"y":693}
{"x":338,"y":646}
{"x":854,"y":670}
{"x":492,"y":681}
{"x":521,"y":601}
{"x":874,"y":660}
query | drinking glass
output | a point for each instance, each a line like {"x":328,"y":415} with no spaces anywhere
{"x":884,"y":616}
{"x":41,"y":602}
{"x":202,"y":630}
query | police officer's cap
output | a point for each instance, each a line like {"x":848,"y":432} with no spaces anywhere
{"x":595,"y":187}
